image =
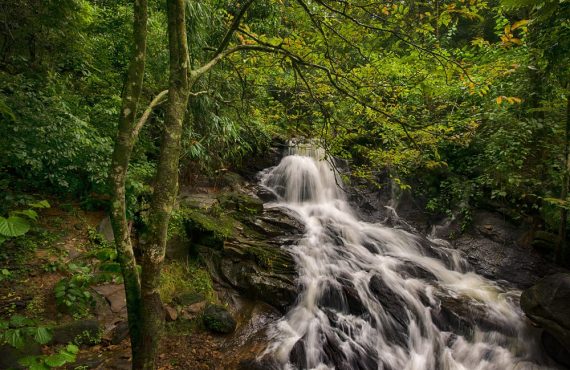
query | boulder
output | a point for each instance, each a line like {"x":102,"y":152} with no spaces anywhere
{"x":547,"y":303}
{"x":218,"y":320}
{"x":114,"y":294}
{"x":171,"y":313}
{"x":187,"y":299}
{"x":120,"y":332}
{"x":242,"y":246}
{"x":106,"y":230}
{"x":80,"y":331}
{"x":9,"y":355}
{"x":491,"y":248}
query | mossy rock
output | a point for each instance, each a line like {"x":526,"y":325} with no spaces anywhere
{"x":205,"y":229}
{"x":243,"y":205}
{"x":9,"y":356}
{"x":217,"y":319}
{"x":80,"y":332}
{"x":186,"y":299}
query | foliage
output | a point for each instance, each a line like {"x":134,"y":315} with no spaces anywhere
{"x":18,"y":222}
{"x":65,"y":355}
{"x":192,"y":278}
{"x":20,"y":330}
{"x":72,"y":293}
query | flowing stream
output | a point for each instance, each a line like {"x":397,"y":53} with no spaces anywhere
{"x":378,"y":297}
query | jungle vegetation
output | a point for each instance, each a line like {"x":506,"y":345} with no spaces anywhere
{"x":463,"y":103}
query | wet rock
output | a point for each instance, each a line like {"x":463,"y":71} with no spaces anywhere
{"x":218,"y":320}
{"x":555,"y":349}
{"x":410,"y":270}
{"x":490,"y":246}
{"x":81,"y":331}
{"x":394,"y":306}
{"x":9,"y":355}
{"x":452,"y":315}
{"x":342,"y":299}
{"x":547,"y":304}
{"x":271,"y":280}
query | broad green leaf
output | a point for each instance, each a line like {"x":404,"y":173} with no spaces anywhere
{"x":14,"y":338}
{"x":41,"y":204}
{"x":18,"y":321}
{"x":13,"y":226}
{"x":33,"y":363}
{"x":57,"y":360}
{"x":42,"y":335}
{"x":30,"y":213}
{"x":72,"y":348}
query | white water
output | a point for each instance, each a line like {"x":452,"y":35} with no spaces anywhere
{"x":369,"y":293}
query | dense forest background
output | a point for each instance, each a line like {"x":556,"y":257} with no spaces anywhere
{"x":463,"y":102}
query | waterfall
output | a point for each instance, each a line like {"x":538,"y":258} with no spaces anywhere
{"x":377,"y":297}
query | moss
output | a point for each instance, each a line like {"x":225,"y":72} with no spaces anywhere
{"x":207,"y":230}
{"x":191,"y":278}
{"x":241,"y":205}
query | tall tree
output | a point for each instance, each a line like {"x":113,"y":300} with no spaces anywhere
{"x":124,"y":144}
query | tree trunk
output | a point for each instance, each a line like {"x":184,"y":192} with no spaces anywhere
{"x":561,"y":245}
{"x":165,"y":187}
{"x":118,"y":173}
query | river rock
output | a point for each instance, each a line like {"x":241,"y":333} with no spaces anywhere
{"x":218,"y":320}
{"x":547,"y":303}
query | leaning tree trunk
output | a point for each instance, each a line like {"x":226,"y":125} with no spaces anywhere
{"x":165,"y":187}
{"x":118,"y":173}
{"x":561,"y":245}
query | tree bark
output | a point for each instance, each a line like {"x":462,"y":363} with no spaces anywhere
{"x":166,"y":186}
{"x":561,"y":245}
{"x":119,"y":164}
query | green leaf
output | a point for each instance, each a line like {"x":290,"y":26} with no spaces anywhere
{"x":33,"y":363}
{"x":42,"y":335}
{"x":14,"y":338}
{"x":13,"y":226}
{"x":41,"y":204}
{"x":72,"y":348}
{"x":18,"y":321}
{"x":57,"y":360}
{"x":30,"y":213}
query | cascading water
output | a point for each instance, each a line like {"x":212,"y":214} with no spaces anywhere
{"x":376,"y":297}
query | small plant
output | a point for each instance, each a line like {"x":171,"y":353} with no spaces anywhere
{"x":72,"y":293}
{"x":64,"y":356}
{"x":20,"y":330}
{"x":5,"y":274}
{"x":18,"y":223}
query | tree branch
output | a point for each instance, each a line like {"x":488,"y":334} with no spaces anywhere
{"x":234,"y":26}
{"x":159,"y":99}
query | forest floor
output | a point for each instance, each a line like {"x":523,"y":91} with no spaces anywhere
{"x":64,"y":245}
